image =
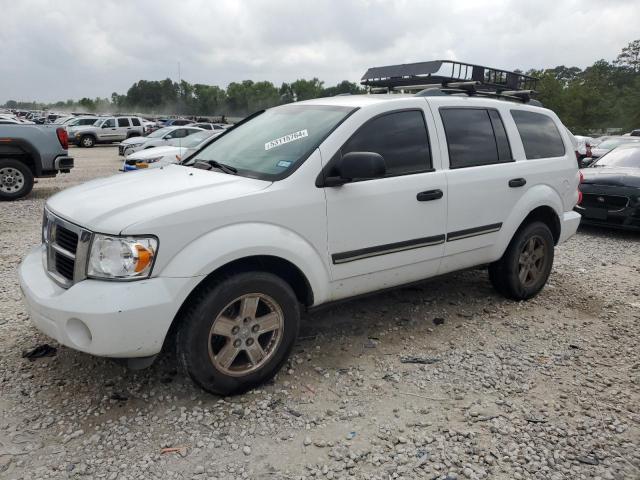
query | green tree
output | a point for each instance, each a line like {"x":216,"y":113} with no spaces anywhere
{"x":630,"y":56}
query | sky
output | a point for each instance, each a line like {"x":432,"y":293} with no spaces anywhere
{"x":67,"y":49}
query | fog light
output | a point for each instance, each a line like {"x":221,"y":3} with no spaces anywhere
{"x":79,"y":333}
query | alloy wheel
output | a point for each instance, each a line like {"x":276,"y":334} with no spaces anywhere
{"x":246,"y":334}
{"x":531,"y":263}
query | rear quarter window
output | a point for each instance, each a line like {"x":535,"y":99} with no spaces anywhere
{"x":539,"y":134}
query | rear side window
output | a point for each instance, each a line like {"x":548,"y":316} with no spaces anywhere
{"x":135,"y":122}
{"x":123,"y":122}
{"x":475,"y":136}
{"x":400,"y":137}
{"x":539,"y":134}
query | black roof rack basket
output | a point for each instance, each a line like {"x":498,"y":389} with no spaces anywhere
{"x":445,"y":72}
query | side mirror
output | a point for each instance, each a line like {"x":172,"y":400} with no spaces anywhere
{"x":357,"y":166}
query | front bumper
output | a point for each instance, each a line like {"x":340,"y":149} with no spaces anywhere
{"x":103,"y":318}
{"x":626,"y":216}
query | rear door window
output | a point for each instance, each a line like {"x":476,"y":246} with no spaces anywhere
{"x":400,"y":137}
{"x":539,"y":134}
{"x":123,"y":122}
{"x":135,"y":122}
{"x":475,"y":136}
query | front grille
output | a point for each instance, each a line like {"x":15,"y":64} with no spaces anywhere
{"x":610,"y":202}
{"x":67,"y":246}
{"x":64,"y":265}
{"x":66,"y":238}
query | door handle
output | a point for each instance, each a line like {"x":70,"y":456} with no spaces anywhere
{"x":517,"y":182}
{"x":429,"y":195}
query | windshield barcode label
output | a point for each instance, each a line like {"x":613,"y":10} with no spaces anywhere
{"x":292,"y":137}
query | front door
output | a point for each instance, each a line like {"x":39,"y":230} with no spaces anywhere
{"x":108,"y":131}
{"x":387,"y":231}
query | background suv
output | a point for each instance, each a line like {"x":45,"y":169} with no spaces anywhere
{"x":107,"y":130}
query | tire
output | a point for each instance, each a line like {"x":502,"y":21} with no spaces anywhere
{"x":16,"y":179}
{"x":87,"y":141}
{"x":227,"y":360}
{"x":524,"y":268}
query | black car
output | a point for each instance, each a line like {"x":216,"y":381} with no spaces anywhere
{"x":611,"y":189}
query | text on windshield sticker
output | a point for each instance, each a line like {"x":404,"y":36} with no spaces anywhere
{"x":292,"y":137}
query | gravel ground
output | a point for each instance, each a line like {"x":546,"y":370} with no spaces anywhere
{"x":546,"y":389}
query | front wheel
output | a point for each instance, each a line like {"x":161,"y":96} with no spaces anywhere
{"x":16,"y":179}
{"x":239,"y":332}
{"x":524,"y":268}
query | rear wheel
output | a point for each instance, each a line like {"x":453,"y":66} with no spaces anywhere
{"x":16,"y":179}
{"x":524,"y":268}
{"x":239,"y":332}
{"x":87,"y":141}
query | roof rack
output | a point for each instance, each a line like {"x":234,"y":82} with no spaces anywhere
{"x":448,"y":77}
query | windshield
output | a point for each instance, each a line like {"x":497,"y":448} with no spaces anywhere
{"x":273,"y":143}
{"x":628,"y":156}
{"x":159,"y":133}
{"x":613,"y":142}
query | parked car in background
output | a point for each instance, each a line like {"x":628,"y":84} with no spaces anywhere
{"x":611,"y":189}
{"x":635,"y":133}
{"x":610,"y":143}
{"x":174,"y":152}
{"x":211,"y":126}
{"x":28,"y":152}
{"x":9,"y":121}
{"x":177,"y":122}
{"x":155,"y":139}
{"x":584,"y":146}
{"x":108,"y":130}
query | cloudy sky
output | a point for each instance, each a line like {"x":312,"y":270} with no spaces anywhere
{"x":61,"y":49}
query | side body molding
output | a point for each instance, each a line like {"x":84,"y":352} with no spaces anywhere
{"x":233,"y":242}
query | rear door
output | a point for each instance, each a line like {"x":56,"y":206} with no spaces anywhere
{"x":483,"y":180}
{"x":123,"y":127}
{"x":380,"y":227}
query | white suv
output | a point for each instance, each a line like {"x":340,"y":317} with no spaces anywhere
{"x":107,"y":130}
{"x":298,"y":206}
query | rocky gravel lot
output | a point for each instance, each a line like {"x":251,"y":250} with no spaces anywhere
{"x":444,"y":380}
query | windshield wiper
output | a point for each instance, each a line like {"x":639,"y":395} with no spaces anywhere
{"x":220,"y":166}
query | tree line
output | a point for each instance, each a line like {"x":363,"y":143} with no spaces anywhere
{"x":603,"y":95}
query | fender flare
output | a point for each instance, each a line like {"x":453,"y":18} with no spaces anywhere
{"x":221,"y":246}
{"x":538,"y":196}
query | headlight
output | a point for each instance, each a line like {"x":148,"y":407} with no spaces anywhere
{"x":121,"y":258}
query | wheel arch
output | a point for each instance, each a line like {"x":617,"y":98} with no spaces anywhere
{"x":540,"y":203}
{"x":278,"y":266}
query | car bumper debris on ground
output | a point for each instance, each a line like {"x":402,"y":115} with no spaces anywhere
{"x":440,"y":380}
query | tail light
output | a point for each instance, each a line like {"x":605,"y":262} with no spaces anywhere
{"x":63,"y":138}
{"x":588,"y":150}
{"x":580,"y":191}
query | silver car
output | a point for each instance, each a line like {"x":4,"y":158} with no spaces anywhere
{"x":164,"y":136}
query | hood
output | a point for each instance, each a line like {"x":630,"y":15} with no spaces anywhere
{"x":614,"y":176}
{"x":109,"y":205}
{"x":135,"y":140}
{"x":154,"y":152}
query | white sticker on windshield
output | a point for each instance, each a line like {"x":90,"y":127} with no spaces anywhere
{"x":292,"y":137}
